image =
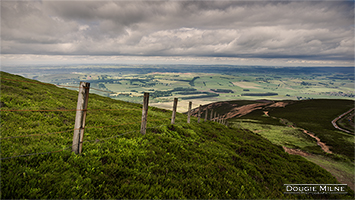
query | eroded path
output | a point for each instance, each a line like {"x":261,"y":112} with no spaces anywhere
{"x":324,"y":147}
{"x":319,"y":143}
{"x":295,"y":151}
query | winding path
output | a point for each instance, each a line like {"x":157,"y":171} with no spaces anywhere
{"x":324,"y":147}
{"x":334,"y":122}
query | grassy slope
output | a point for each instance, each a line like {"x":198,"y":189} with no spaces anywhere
{"x":204,"y":160}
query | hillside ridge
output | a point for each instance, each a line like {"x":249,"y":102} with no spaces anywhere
{"x":196,"y":160}
{"x":303,"y":128}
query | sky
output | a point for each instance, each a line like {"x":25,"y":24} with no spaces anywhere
{"x":271,"y":33}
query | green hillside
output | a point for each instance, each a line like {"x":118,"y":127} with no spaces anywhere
{"x":288,"y":123}
{"x":197,"y":160}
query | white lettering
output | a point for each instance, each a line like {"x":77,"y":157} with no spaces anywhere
{"x":323,"y":188}
{"x":288,"y":188}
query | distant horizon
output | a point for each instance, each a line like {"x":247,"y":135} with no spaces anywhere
{"x":11,"y":65}
{"x":14,"y":59}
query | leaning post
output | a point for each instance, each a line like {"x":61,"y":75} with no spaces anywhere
{"x":145,"y":113}
{"x":189,"y":112}
{"x":174,"y":111}
{"x":211,"y":115}
{"x":199,"y":114}
{"x":206,"y":114}
{"x":80,"y":117}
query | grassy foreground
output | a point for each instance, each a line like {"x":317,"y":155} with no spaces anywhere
{"x":205,"y":160}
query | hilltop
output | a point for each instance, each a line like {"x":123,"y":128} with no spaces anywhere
{"x":196,"y":160}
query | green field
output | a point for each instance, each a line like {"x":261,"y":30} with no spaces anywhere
{"x":209,"y":86}
{"x":197,"y":160}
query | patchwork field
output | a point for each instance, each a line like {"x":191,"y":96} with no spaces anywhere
{"x":201,"y":84}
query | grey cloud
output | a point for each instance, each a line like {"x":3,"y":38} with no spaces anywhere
{"x":312,"y":30}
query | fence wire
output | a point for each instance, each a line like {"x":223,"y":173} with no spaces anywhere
{"x":50,"y":152}
{"x":31,"y":154}
{"x":66,"y":110}
{"x":96,"y":140}
{"x":65,"y":86}
{"x":35,"y":135}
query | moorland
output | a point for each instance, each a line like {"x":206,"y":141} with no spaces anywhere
{"x":196,"y":160}
{"x":301,"y":127}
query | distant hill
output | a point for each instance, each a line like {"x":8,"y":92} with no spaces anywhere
{"x":196,"y":160}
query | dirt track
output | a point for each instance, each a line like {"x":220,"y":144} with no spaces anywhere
{"x":295,"y":151}
{"x":324,"y":147}
{"x":319,"y":143}
{"x":334,"y":122}
{"x":243,"y":110}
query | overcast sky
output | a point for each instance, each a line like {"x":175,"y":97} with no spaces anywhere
{"x":301,"y":33}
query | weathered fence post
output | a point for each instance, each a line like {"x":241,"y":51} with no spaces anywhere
{"x":199,"y":114}
{"x":174,"y":111}
{"x":189,"y":112}
{"x":211,"y":115}
{"x":144,"y":113}
{"x":80,"y":117}
{"x":206,"y":114}
{"x":215,"y":115}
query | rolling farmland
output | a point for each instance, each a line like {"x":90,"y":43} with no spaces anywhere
{"x":204,"y":84}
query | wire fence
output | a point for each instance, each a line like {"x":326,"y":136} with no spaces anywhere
{"x":83,"y":128}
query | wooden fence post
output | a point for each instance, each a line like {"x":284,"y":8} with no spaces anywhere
{"x":211,"y":115}
{"x":199,"y":114}
{"x":174,"y":111}
{"x":145,"y":113}
{"x":189,"y":112}
{"x":206,"y":114}
{"x":80,"y":117}
{"x":215,"y":115}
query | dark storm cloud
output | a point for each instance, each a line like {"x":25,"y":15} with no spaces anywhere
{"x":285,"y":29}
